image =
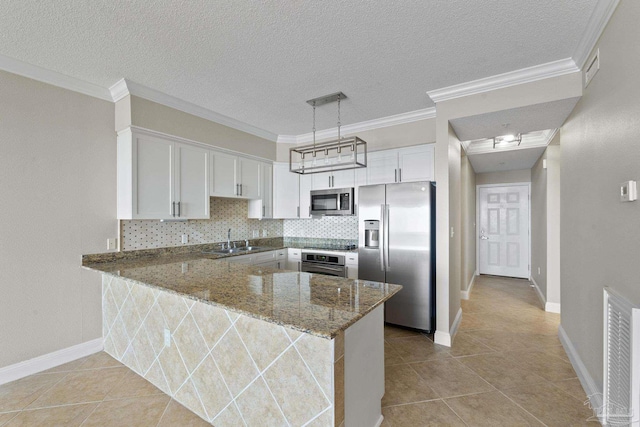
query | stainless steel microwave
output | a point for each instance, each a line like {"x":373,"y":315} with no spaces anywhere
{"x":334,"y":201}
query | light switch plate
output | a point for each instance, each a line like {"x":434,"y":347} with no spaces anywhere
{"x":628,"y":191}
{"x":185,"y":238}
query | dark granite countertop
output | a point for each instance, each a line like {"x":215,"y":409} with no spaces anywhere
{"x":313,"y":303}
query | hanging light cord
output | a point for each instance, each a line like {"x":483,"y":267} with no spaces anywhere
{"x":339,"y":139}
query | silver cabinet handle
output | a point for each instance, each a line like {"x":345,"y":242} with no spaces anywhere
{"x":309,"y":210}
{"x":263,"y":210}
{"x":346,"y":271}
{"x":299,"y":262}
{"x":179,"y":209}
{"x":298,"y":211}
{"x":173,"y":208}
{"x":241,"y":189}
{"x":329,"y":181}
{"x":400,"y":174}
{"x":278,"y":265}
{"x":395,"y":175}
{"x":237,"y":190}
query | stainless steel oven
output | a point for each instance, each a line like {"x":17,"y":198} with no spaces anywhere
{"x":323,"y":263}
{"x":335,"y":201}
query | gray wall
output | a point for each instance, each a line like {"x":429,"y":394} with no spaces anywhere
{"x":58,"y":192}
{"x":468,"y":206}
{"x":600,"y":149}
{"x":539,"y":224}
{"x":506,"y":177}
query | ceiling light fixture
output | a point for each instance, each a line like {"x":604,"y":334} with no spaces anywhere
{"x":339,"y":154}
{"x":507,"y":141}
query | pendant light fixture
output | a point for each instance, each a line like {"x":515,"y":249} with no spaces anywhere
{"x":334,"y":155}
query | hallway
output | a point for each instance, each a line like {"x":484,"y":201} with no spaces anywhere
{"x":506,"y":367}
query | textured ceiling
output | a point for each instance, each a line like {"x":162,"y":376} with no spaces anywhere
{"x":258,"y":62}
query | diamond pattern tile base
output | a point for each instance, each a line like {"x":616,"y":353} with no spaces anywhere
{"x":220,"y":365}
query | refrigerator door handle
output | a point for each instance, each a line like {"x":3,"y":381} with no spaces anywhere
{"x":382,"y":243}
{"x":386,"y":237}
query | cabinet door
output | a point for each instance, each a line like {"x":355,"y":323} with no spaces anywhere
{"x":286,"y":192}
{"x":266,"y":189}
{"x":382,"y":167}
{"x":416,"y":163}
{"x":343,"y":179}
{"x":191,"y":182}
{"x":320,"y":181}
{"x":153,"y":177}
{"x":249,"y":178}
{"x":223,"y":174}
{"x":305,"y":195}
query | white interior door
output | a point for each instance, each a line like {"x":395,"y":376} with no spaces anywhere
{"x":503,"y":230}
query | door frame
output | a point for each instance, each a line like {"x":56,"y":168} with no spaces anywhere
{"x":506,"y":184}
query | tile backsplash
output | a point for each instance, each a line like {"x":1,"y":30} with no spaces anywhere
{"x":333,"y":227}
{"x":225,"y":214}
{"x":231,"y":214}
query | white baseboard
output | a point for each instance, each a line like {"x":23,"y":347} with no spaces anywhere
{"x":48,"y":361}
{"x":446,"y":338}
{"x":552,"y":307}
{"x":466,"y":294}
{"x":380,"y":420}
{"x":541,"y":296}
{"x":594,"y":393}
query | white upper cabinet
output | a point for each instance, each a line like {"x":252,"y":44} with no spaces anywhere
{"x":337,"y":179}
{"x":224,"y":174}
{"x":160,"y":178}
{"x":234,"y":176}
{"x":416,"y":163}
{"x":192,"y":181}
{"x":249,"y":178}
{"x":286,"y":192}
{"x":400,"y":165}
{"x":263,"y":207}
{"x":382,"y":167}
{"x":305,"y":195}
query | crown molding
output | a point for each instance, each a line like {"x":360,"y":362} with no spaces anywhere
{"x":54,"y":78}
{"x":397,"y":119}
{"x":597,"y":22}
{"x":499,"y":81}
{"x":126,"y":87}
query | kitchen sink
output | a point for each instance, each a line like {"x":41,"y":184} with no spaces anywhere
{"x":234,"y":250}
{"x":225,"y":251}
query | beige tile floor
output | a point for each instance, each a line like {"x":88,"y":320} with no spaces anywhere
{"x":506,"y":367}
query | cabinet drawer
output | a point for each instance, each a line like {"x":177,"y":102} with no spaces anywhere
{"x":295,"y":254}
{"x":264,"y":257}
{"x":351,"y":259}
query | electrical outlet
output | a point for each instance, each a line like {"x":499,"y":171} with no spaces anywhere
{"x":264,"y":233}
{"x":185,"y":267}
{"x":185,"y":238}
{"x":112,"y":244}
{"x":256,"y":233}
{"x":538,"y":271}
{"x":167,"y":337}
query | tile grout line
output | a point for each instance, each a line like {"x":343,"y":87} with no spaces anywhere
{"x":520,"y":406}
{"x":456,"y":414}
{"x":260,"y":373}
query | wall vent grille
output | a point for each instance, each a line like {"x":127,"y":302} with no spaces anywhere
{"x":621,"y":404}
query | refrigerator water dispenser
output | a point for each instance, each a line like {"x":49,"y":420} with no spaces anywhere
{"x":371,"y":234}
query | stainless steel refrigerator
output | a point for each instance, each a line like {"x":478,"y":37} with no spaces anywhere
{"x":396,"y":225}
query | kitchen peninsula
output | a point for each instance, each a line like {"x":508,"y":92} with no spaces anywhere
{"x":235,"y":342}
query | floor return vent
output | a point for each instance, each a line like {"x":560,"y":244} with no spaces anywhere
{"x":621,"y":400}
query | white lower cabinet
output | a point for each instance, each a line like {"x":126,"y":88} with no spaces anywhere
{"x":272,"y":259}
{"x":294,"y":258}
{"x":351,"y":262}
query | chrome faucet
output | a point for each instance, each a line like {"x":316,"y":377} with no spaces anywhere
{"x":229,"y":239}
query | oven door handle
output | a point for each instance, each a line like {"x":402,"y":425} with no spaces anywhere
{"x":322,"y":267}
